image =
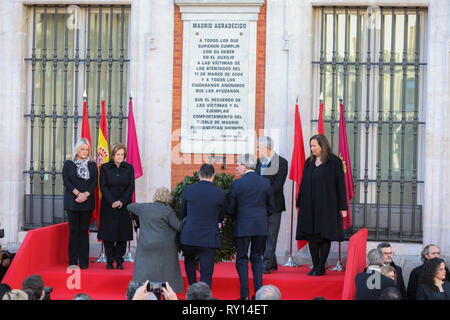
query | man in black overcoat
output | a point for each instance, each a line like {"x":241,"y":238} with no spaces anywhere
{"x":204,"y":206}
{"x":386,"y":250}
{"x":430,"y":251}
{"x":251,"y":199}
{"x":273,"y":167}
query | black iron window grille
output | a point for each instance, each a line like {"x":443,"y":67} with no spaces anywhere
{"x":72,"y":49}
{"x":374,"y":58}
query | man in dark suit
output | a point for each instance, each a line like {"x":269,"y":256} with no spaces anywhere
{"x":386,"y":250}
{"x":370,"y":283}
{"x":273,"y":167}
{"x":429,"y":252}
{"x":251,"y":199}
{"x":204,"y":206}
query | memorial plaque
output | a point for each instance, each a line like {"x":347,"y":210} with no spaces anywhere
{"x":217,"y":105}
{"x":218,"y":85}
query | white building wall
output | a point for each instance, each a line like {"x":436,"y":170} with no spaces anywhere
{"x":289,"y":43}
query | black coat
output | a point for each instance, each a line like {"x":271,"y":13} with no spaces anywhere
{"x":329,"y":197}
{"x":116,"y":184}
{"x":72,"y":181}
{"x":400,"y":282}
{"x":204,"y":206}
{"x":251,"y":199}
{"x":370,"y":285}
{"x":425,"y":293}
{"x":414,"y":281}
{"x":276,"y":172}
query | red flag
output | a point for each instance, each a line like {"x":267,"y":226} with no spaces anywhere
{"x":85,"y":130}
{"x":298,"y":160}
{"x":345,"y":157}
{"x":320,"y":126}
{"x":102,"y":157}
{"x":133,"y":156}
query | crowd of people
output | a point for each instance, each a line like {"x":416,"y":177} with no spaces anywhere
{"x":256,"y":200}
{"x":383,"y":279}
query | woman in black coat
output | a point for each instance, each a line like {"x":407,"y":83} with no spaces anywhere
{"x":322,"y":202}
{"x":80,"y":177}
{"x":432,"y":284}
{"x":117,"y":187}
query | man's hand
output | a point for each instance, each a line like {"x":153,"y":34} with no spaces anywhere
{"x":343,"y":213}
{"x":6,"y":262}
{"x":141,"y":292}
{"x":168,"y":293}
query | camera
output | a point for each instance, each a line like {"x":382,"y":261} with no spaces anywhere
{"x":156,"y":287}
{"x":2,"y":233}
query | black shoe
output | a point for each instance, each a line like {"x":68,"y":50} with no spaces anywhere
{"x":266,"y":271}
{"x":120,"y":266}
{"x":312,"y":272}
{"x":275,"y":267}
{"x":320,"y":272}
{"x":109,"y":266}
{"x":84,"y":266}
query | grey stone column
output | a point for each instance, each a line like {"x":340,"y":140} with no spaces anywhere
{"x":436,"y":213}
{"x":13,"y":146}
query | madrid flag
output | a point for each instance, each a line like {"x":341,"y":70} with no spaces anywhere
{"x":133,"y":156}
{"x":345,"y":157}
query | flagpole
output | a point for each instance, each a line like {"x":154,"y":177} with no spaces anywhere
{"x":290,"y":262}
{"x":129,"y":257}
{"x":339,"y":266}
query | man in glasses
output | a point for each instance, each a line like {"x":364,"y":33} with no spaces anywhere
{"x":386,"y":249}
{"x":429,"y":252}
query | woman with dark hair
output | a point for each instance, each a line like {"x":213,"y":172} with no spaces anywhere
{"x":117,"y":187}
{"x":432,"y":284}
{"x":322,"y":202}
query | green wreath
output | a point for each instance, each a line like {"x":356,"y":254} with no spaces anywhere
{"x":222,"y":181}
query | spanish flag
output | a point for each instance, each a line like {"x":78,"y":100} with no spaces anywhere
{"x":102,"y":157}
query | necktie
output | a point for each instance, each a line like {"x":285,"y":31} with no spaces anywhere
{"x":264,"y":166}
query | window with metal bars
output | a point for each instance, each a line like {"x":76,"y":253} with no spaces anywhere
{"x":374,"y":59}
{"x":71,"y":49}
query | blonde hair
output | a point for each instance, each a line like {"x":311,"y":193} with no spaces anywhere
{"x":385,"y":270}
{"x":78,"y":146}
{"x":15,"y":294}
{"x":163,"y":195}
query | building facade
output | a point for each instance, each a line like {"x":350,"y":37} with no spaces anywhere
{"x":387,"y":60}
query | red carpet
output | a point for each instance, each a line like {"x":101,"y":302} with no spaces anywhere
{"x":44,"y":252}
{"x":101,"y":284}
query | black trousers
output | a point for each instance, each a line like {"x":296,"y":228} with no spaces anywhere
{"x":257,"y":245}
{"x":273,"y":224}
{"x":115,"y":250}
{"x":206,"y":258}
{"x":79,"y":237}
